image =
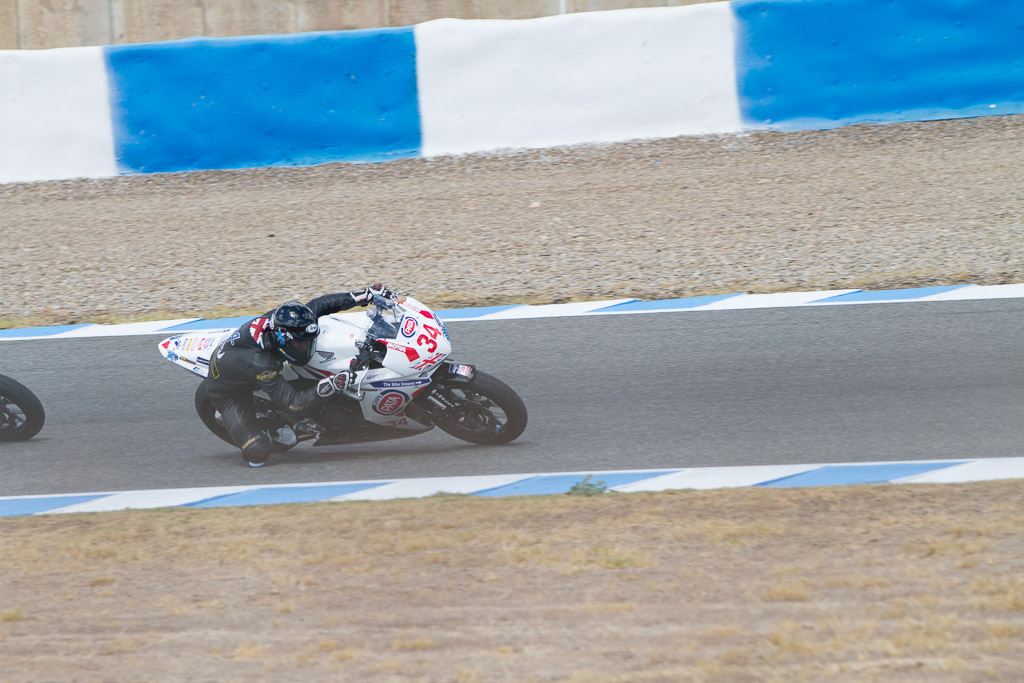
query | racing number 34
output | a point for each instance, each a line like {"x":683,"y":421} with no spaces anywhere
{"x":430,"y":342}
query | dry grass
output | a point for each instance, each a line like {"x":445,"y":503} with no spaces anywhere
{"x":12,"y":614}
{"x":874,"y":582}
{"x":791,"y":591}
{"x":410,"y":644}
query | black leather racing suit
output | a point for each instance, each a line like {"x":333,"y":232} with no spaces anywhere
{"x":242,"y":364}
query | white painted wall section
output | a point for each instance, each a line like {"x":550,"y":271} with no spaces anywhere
{"x":579,"y":78}
{"x":54,"y":115}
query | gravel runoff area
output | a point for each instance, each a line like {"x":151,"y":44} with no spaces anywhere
{"x":866,"y":206}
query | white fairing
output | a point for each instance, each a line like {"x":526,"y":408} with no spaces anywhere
{"x":417,"y":344}
{"x":193,"y":351}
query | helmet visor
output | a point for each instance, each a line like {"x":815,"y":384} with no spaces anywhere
{"x":299,"y":351}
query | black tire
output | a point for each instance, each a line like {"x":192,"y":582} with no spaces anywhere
{"x":21,"y":413}
{"x":487,"y":411}
{"x":208,"y":414}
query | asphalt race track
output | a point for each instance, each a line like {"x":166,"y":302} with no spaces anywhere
{"x":851,"y":383}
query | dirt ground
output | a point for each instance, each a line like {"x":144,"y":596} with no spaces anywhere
{"x":885,"y":582}
{"x":870,"y":207}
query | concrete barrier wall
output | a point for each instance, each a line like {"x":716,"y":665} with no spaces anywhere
{"x":243,"y":102}
{"x":35,"y":25}
{"x":822,"y":64}
{"x":453,"y":86}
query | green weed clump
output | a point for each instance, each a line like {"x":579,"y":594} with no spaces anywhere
{"x":586,"y":487}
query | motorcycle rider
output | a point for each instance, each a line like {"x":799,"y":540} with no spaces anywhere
{"x":253,"y":356}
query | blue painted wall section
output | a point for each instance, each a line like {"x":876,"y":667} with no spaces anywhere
{"x":834,"y":62}
{"x":265,"y":101}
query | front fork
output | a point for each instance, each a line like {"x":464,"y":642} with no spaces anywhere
{"x":450,"y":373}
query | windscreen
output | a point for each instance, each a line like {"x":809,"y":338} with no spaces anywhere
{"x":382,"y":329}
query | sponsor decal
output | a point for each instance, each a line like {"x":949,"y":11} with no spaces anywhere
{"x":444,"y":329}
{"x":389,"y":384}
{"x":326,"y":355}
{"x":207,"y":343}
{"x":166,"y":344}
{"x":312,"y":328}
{"x":390,"y":402}
{"x":463,"y":370}
{"x":409,"y":327}
{"x":410,"y":353}
{"x":266,"y":375}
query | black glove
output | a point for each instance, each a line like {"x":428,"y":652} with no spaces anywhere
{"x":364,"y":296}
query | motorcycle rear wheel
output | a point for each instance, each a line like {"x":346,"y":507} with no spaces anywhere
{"x":208,"y":414}
{"x":487,"y":411}
{"x":21,"y":413}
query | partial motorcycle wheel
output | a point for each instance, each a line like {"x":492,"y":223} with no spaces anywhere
{"x":21,"y":413}
{"x":486,"y":411}
{"x":208,"y":414}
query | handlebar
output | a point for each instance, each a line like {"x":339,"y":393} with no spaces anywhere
{"x":384,"y":302}
{"x":363,"y":357}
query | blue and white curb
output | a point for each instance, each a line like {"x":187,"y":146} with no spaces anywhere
{"x":452,"y":87}
{"x":622,"y":481}
{"x":716,"y":302}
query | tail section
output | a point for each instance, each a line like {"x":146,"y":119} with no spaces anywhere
{"x":192,"y":351}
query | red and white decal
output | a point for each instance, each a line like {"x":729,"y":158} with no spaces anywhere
{"x":257,"y":327}
{"x":390,"y":402}
{"x":429,"y":361}
{"x":409,"y":352}
{"x":420,"y":311}
{"x":409,"y":327}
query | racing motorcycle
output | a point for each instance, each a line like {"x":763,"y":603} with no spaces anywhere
{"x":405,"y":384}
{"x":21,"y":413}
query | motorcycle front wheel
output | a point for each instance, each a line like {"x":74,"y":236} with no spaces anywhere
{"x":21,"y":413}
{"x":485,"y":411}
